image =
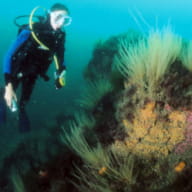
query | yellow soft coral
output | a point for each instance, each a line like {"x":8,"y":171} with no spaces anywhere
{"x":147,"y":113}
{"x":149,"y":135}
{"x":102,"y":171}
{"x":177,"y":117}
{"x":180,"y":166}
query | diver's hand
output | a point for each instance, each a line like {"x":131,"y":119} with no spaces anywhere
{"x":60,"y":79}
{"x":9,"y":95}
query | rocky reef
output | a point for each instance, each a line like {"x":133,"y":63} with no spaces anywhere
{"x":132,"y":130}
{"x":140,"y":135}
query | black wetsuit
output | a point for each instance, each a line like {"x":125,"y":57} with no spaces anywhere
{"x":26,"y":60}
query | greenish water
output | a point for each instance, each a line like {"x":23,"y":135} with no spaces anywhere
{"x":92,"y":20}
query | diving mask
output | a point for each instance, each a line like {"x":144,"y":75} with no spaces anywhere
{"x":60,"y":18}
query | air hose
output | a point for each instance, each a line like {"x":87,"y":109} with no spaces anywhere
{"x":59,"y":80}
{"x":36,"y":38}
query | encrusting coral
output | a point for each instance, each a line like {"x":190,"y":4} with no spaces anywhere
{"x":187,"y":142}
{"x":148,"y":136}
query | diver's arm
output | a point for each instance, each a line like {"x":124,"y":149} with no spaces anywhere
{"x":60,"y":74}
{"x":9,"y":91}
{"x":21,"y":38}
{"x":60,"y":53}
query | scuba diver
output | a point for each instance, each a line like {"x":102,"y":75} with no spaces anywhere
{"x":38,"y":44}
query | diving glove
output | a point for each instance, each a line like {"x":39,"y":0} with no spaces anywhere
{"x":60,"y":79}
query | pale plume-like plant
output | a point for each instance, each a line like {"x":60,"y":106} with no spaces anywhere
{"x":121,"y":165}
{"x":120,"y":168}
{"x":93,"y":92}
{"x":84,"y":120}
{"x":94,"y":156}
{"x":17,"y":182}
{"x":118,"y":165}
{"x":187,"y":56}
{"x":91,"y":181}
{"x":130,"y":60}
{"x":145,"y":62}
{"x":164,"y":47}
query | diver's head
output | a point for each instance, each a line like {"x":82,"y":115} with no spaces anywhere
{"x":59,"y":16}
